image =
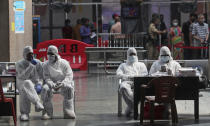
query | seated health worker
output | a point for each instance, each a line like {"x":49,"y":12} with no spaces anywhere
{"x":126,"y":71}
{"x":29,"y":76}
{"x":164,"y":66}
{"x":165,"y":63}
{"x":58,"y":75}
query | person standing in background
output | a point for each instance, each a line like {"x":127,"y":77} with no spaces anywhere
{"x":112,"y":22}
{"x":117,"y":28}
{"x":186,"y":34}
{"x":85,"y":31}
{"x":176,"y":39}
{"x":76,"y":30}
{"x":163,"y":28}
{"x":200,"y":33}
{"x":67,"y":30}
{"x":153,"y":38}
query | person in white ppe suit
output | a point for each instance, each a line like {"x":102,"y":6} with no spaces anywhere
{"x":29,"y":72}
{"x":164,"y":66}
{"x":58,"y":75}
{"x":165,"y":61}
{"x":126,"y":71}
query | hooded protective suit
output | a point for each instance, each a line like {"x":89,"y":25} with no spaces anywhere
{"x":57,"y":73}
{"x":165,"y":59}
{"x":28,"y":74}
{"x":126,"y":71}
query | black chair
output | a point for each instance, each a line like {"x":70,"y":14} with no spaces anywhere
{"x":164,"y":88}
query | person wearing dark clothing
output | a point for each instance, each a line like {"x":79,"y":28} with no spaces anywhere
{"x":186,"y":33}
{"x":163,"y":28}
{"x":67,"y":30}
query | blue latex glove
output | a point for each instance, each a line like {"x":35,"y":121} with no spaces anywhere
{"x":33,"y":62}
{"x":38,"y":88}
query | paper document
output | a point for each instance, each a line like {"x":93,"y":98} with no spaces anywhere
{"x":93,"y":35}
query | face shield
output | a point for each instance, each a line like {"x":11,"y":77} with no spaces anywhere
{"x":28,"y":53}
{"x":132,"y":56}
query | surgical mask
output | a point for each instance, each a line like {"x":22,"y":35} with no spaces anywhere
{"x":164,"y":59}
{"x":175,"y":24}
{"x":133,"y":59}
{"x":51,"y":58}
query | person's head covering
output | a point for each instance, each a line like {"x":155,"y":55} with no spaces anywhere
{"x":52,"y":49}
{"x":165,"y":51}
{"x":132,"y":59}
{"x":115,"y":15}
{"x":26,"y":50}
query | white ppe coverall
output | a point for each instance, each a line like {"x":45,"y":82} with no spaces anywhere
{"x":28,"y":75}
{"x":57,"y":71}
{"x":126,"y":71}
{"x":166,"y":60}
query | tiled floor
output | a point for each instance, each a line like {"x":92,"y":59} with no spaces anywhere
{"x":96,"y":105}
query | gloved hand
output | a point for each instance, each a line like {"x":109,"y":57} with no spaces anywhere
{"x":33,"y":62}
{"x":38,"y":88}
{"x":51,"y":84}
{"x":170,"y":72}
{"x":58,"y":85}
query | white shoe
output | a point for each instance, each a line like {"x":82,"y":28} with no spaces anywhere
{"x":46,"y":117}
{"x":24,"y":117}
{"x":128,"y":111}
{"x":39,"y":107}
{"x":69,"y":114}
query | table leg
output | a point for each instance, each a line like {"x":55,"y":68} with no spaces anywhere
{"x":135,"y":108}
{"x":87,"y":54}
{"x":196,"y":109}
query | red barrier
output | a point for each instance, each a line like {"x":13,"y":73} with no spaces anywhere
{"x":184,"y":47}
{"x":191,"y":47}
{"x":69,"y":49}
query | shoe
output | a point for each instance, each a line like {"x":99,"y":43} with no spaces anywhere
{"x":39,"y":107}
{"x":24,"y":117}
{"x":69,"y":114}
{"x":128,"y":112}
{"x":46,"y":117}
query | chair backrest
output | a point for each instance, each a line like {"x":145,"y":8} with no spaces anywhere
{"x":165,"y":88}
{"x":1,"y":92}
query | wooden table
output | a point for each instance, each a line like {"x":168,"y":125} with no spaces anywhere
{"x":5,"y":108}
{"x":188,"y":89}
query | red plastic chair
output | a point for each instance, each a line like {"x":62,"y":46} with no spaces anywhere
{"x":7,"y":100}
